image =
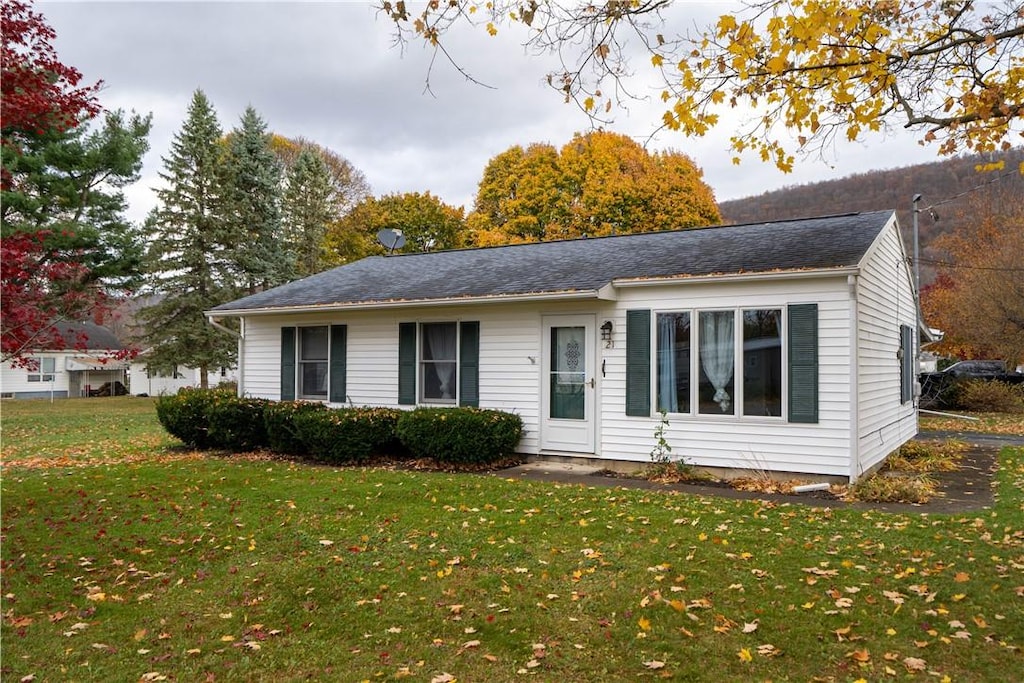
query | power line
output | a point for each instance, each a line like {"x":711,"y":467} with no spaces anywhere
{"x":950,"y":264}
{"x":983,"y":185}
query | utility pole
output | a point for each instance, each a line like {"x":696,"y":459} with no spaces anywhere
{"x":917,"y":289}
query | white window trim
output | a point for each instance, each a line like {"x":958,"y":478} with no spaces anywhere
{"x":738,"y":396}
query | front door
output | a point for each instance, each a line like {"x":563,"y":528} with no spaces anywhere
{"x":568,"y":384}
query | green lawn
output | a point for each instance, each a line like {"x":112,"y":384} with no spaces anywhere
{"x":130,"y":560}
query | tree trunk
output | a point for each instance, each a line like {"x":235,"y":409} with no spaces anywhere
{"x":204,"y":379}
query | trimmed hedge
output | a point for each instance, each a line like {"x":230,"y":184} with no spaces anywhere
{"x":346,"y":435}
{"x":185,"y":415}
{"x":215,"y":418}
{"x":460,"y":435}
{"x":279,"y":420}
{"x":236,"y":424}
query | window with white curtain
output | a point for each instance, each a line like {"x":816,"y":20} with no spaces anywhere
{"x":698,"y":364}
{"x":314,"y":350}
{"x":673,"y":362}
{"x":439,"y":362}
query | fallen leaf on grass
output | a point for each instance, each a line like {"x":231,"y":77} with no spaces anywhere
{"x":750,"y":627}
{"x":914,"y":664}
{"x":654,"y":664}
{"x":744,"y":655}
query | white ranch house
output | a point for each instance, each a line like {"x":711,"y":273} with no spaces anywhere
{"x":783,"y":346}
{"x":146,"y":381}
{"x":67,"y":372}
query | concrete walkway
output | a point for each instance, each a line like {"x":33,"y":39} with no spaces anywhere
{"x":965,"y":491}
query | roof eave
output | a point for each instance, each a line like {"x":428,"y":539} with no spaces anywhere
{"x":604,"y":293}
{"x":839,"y":271}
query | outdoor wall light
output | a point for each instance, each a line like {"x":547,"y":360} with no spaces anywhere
{"x":606,"y":333}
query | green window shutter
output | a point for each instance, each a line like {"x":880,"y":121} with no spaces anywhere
{"x":287,"y":363}
{"x":469,"y":364}
{"x":638,"y":363}
{"x":338,"y":364}
{"x":803,"y":363}
{"x":407,"y":364}
{"x":906,"y":363}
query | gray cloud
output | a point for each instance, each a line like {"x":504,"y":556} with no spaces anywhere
{"x":329,"y":72}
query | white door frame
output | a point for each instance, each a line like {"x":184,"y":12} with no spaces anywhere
{"x":564,"y":434}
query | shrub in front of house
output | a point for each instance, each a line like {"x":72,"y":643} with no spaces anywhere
{"x":185,"y":415}
{"x":346,"y":435}
{"x":236,"y":424}
{"x":460,"y":435}
{"x":279,"y":421}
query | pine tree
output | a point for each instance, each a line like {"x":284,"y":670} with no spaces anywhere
{"x":309,"y":207}
{"x":188,"y":258}
{"x":253,"y":202}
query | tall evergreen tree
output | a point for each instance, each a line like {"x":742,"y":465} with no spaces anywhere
{"x":188,"y":260}
{"x":309,"y":208}
{"x":253,"y":203}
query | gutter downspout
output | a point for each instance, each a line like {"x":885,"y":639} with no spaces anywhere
{"x":240,"y":336}
{"x":855,"y":468}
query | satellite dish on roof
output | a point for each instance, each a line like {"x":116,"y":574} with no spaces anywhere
{"x":391,"y":239}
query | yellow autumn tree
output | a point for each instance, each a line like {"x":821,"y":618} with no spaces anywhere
{"x":600,"y":183}
{"x":810,"y":70}
{"x":426,"y":223}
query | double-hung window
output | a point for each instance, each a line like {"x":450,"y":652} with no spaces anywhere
{"x":439,"y":361}
{"x":314,"y":353}
{"x":719,"y":362}
{"x":42,"y":369}
{"x":314,"y":363}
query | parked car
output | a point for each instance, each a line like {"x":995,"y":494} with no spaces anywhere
{"x":976,"y":369}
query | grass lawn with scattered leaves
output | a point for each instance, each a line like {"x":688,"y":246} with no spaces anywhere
{"x":990,"y":423}
{"x":176,"y":566}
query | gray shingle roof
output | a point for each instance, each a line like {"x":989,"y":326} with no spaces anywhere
{"x":583,"y":264}
{"x":93,"y":337}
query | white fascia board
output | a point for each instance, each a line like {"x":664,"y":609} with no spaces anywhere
{"x":416,"y":303}
{"x":737,"y":277}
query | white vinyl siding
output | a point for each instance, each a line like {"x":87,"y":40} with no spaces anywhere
{"x":15,"y":381}
{"x":885,"y":302}
{"x":509,"y":338}
{"x":510,"y":364}
{"x":731,"y":441}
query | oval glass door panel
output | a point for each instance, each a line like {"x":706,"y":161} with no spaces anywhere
{"x":568,"y":373}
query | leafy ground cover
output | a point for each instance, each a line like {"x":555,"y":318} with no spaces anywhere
{"x":991,"y":423}
{"x":176,"y":566}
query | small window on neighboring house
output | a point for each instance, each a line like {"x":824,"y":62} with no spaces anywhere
{"x":223,"y":371}
{"x":314,"y":352}
{"x":42,"y":369}
{"x":439,"y":362}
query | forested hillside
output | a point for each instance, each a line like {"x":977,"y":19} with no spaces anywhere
{"x":945,"y":186}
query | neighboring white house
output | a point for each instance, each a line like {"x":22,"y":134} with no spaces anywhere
{"x":144,"y":381}
{"x":783,"y":346}
{"x":68,"y":372}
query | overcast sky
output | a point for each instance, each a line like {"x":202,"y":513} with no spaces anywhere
{"x":328,"y":72}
